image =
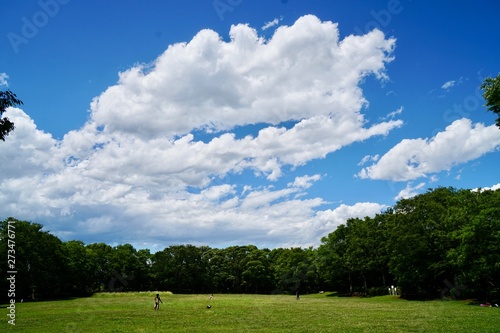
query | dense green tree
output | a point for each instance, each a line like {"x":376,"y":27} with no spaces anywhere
{"x":354,"y":257}
{"x":366,"y":252}
{"x":491,"y":93}
{"x":477,"y":254}
{"x":39,"y":261}
{"x":100,"y":254}
{"x":218,"y":270}
{"x":445,"y":242}
{"x":256,"y":276}
{"x":181,"y":268}
{"x":294,"y":270}
{"x":160,"y":271}
{"x":334,"y":269}
{"x":143,"y":274}
{"x":427,"y":240}
{"x":419,"y":242}
{"x":7,"y":99}
{"x":125,"y":267}
{"x":236,"y":259}
{"x":79,"y":268}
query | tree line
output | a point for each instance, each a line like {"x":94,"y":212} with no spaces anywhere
{"x":443,"y":243}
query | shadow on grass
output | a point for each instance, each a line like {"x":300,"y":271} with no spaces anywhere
{"x":5,"y":303}
{"x":337,"y":294}
{"x":355,"y":294}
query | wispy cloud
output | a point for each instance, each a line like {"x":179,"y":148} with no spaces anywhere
{"x":393,"y":114}
{"x":368,"y":158}
{"x":410,"y":191}
{"x":452,"y":83}
{"x":271,"y":24}
{"x":448,"y":84}
{"x":3,"y":79}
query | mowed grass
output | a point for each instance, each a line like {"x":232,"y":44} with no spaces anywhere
{"x":133,"y":312}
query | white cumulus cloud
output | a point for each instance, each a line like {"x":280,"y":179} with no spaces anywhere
{"x":137,"y":171}
{"x":305,"y":181}
{"x":410,"y":159}
{"x":331,"y":219}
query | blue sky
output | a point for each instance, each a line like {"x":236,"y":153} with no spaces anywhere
{"x":240,"y":122}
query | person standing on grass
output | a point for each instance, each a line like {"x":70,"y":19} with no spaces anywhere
{"x":157,"y":302}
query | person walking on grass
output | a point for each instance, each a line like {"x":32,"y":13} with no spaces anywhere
{"x":157,"y":302}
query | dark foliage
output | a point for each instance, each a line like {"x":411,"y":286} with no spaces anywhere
{"x":7,"y":99}
{"x":444,"y":243}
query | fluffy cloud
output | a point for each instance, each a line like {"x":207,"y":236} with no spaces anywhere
{"x":305,"y":181}
{"x":331,"y":219}
{"x":303,"y":71}
{"x":459,"y":143}
{"x":137,"y":171}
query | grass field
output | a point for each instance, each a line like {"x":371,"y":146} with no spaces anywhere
{"x":133,"y":312}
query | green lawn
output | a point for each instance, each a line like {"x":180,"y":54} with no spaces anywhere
{"x":133,"y":312}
